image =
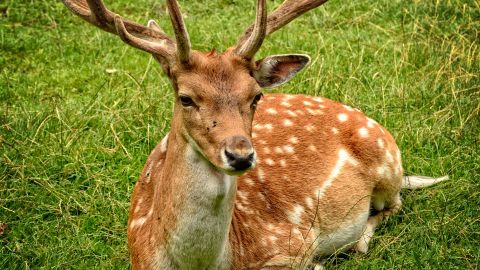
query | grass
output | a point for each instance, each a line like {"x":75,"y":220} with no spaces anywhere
{"x":80,"y":111}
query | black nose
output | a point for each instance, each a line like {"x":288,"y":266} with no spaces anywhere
{"x":239,"y":162}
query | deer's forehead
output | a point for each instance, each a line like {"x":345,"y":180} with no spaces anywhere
{"x":217,"y":78}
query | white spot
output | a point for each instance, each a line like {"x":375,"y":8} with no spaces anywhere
{"x":271,"y":111}
{"x":287,"y":123}
{"x":240,"y":206}
{"x":310,"y":127}
{"x":266,"y":150}
{"x":285,"y":104}
{"x":264,"y":242}
{"x":334,"y":130}
{"x":342,"y":117}
{"x":371,"y":123}
{"x":399,"y":157}
{"x":384,"y":171}
{"x":283,"y":163}
{"x":299,"y":112}
{"x":291,"y":113}
{"x":307,"y":103}
{"x":137,"y":222}
{"x":309,"y":202}
{"x":295,"y":215}
{"x":261,"y":175}
{"x":268,"y":127}
{"x":272,"y":238}
{"x":271,"y":227}
{"x":249,"y":181}
{"x":243,"y":196}
{"x":254,"y":135}
{"x":314,"y":112}
{"x":140,"y":221}
{"x":389,"y":156}
{"x":269,"y":97}
{"x":310,"y":111}
{"x":289,"y":149}
{"x":363,"y":132}
{"x":278,"y":150}
{"x":348,"y":108}
{"x":398,"y":169}
{"x":343,"y":158}
{"x":139,"y":203}
{"x":312,"y":148}
{"x":318,"y":99}
{"x":380,"y":143}
{"x":293,"y":140}
{"x":270,"y":161}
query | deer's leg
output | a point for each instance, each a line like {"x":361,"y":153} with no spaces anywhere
{"x":319,"y":265}
{"x":389,"y":208}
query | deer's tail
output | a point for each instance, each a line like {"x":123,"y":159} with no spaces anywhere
{"x":416,"y":181}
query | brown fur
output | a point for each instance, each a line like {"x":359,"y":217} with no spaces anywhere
{"x":321,"y":165}
{"x":302,"y":144}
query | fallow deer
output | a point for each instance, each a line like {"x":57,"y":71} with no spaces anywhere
{"x":245,"y":182}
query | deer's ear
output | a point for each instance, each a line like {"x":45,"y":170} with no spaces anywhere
{"x":275,"y":70}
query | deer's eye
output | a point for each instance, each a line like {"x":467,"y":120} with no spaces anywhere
{"x":256,"y":99}
{"x":186,"y":101}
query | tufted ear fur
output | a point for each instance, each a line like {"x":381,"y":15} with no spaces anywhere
{"x":276,"y":70}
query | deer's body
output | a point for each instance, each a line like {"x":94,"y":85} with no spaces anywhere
{"x":225,"y":190}
{"x":320,"y":163}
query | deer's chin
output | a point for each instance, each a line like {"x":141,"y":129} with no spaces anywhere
{"x":232,"y":172}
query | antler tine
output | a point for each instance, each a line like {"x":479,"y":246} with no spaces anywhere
{"x":247,"y":49}
{"x":285,"y":13}
{"x":100,"y":14}
{"x":158,"y":48}
{"x":181,"y":34}
{"x":150,"y":39}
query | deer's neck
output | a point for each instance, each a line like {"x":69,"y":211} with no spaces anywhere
{"x":199,"y":201}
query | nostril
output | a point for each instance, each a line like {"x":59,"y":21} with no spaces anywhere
{"x":230,"y":156}
{"x":239,"y":162}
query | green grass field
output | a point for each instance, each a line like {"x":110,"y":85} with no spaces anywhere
{"x":80,"y":112}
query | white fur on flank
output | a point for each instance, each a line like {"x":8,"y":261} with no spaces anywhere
{"x":343,"y":158}
{"x":416,"y":181}
{"x":344,"y":237}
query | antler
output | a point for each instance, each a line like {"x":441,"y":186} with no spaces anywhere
{"x":149,"y":38}
{"x":181,"y":34}
{"x":247,"y":49}
{"x":285,"y":13}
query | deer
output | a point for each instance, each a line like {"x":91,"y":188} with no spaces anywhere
{"x":246,"y":179}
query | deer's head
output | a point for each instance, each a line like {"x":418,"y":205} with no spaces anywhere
{"x":215,"y":93}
